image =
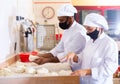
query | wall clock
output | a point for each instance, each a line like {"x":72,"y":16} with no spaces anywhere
{"x":48,"y":12}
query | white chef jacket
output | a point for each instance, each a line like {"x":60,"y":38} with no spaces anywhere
{"x":101,"y":56}
{"x":73,"y":40}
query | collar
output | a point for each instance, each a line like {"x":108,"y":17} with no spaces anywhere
{"x":73,"y":23}
{"x":102,"y":35}
{"x":71,"y":27}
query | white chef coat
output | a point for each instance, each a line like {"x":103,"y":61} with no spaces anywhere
{"x":101,"y":56}
{"x":73,"y":40}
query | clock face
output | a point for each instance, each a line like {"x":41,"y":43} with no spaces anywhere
{"x":48,"y":12}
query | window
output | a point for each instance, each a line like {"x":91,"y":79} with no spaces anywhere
{"x":113,"y":18}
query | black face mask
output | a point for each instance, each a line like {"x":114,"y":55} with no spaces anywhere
{"x":64,"y":25}
{"x":94,"y":34}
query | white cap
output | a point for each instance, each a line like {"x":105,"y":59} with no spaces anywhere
{"x":66,"y":10}
{"x":96,"y":20}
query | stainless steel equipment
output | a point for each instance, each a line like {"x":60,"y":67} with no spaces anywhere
{"x":26,"y":36}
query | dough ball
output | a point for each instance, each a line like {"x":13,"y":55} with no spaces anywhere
{"x":20,"y":69}
{"x":30,"y":70}
{"x":42,"y":70}
{"x":33,"y":57}
{"x":5,"y":72}
{"x":53,"y":74}
{"x":64,"y":72}
{"x":19,"y":64}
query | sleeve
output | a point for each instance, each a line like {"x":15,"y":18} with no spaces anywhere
{"x":109,"y":65}
{"x":76,"y":66}
{"x":76,"y":45}
{"x":58,"y":49}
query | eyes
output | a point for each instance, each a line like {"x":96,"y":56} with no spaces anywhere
{"x":62,"y":19}
{"x":89,"y":28}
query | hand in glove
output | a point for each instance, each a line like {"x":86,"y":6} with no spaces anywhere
{"x":70,"y":57}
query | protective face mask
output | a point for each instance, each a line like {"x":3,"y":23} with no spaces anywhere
{"x":94,"y":34}
{"x":64,"y":25}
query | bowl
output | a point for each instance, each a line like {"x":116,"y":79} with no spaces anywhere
{"x":24,"y":57}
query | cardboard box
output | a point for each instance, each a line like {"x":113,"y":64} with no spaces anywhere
{"x":41,"y":80}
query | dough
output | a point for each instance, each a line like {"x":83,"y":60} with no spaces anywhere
{"x":42,"y":70}
{"x":20,"y":69}
{"x":30,"y":70}
{"x":64,"y":72}
{"x":33,"y":57}
{"x":53,"y":74}
{"x":52,"y":66}
{"x":19,"y":64}
{"x":5,"y":72}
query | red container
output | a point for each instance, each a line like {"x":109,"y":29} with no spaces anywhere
{"x":24,"y":57}
{"x":58,"y":36}
{"x":34,"y":53}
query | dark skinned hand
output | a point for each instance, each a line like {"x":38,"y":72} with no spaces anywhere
{"x":41,"y":60}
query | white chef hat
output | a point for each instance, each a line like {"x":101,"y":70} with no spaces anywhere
{"x":66,"y":10}
{"x":96,"y":20}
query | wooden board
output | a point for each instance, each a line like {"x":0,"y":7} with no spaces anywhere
{"x":41,"y":80}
